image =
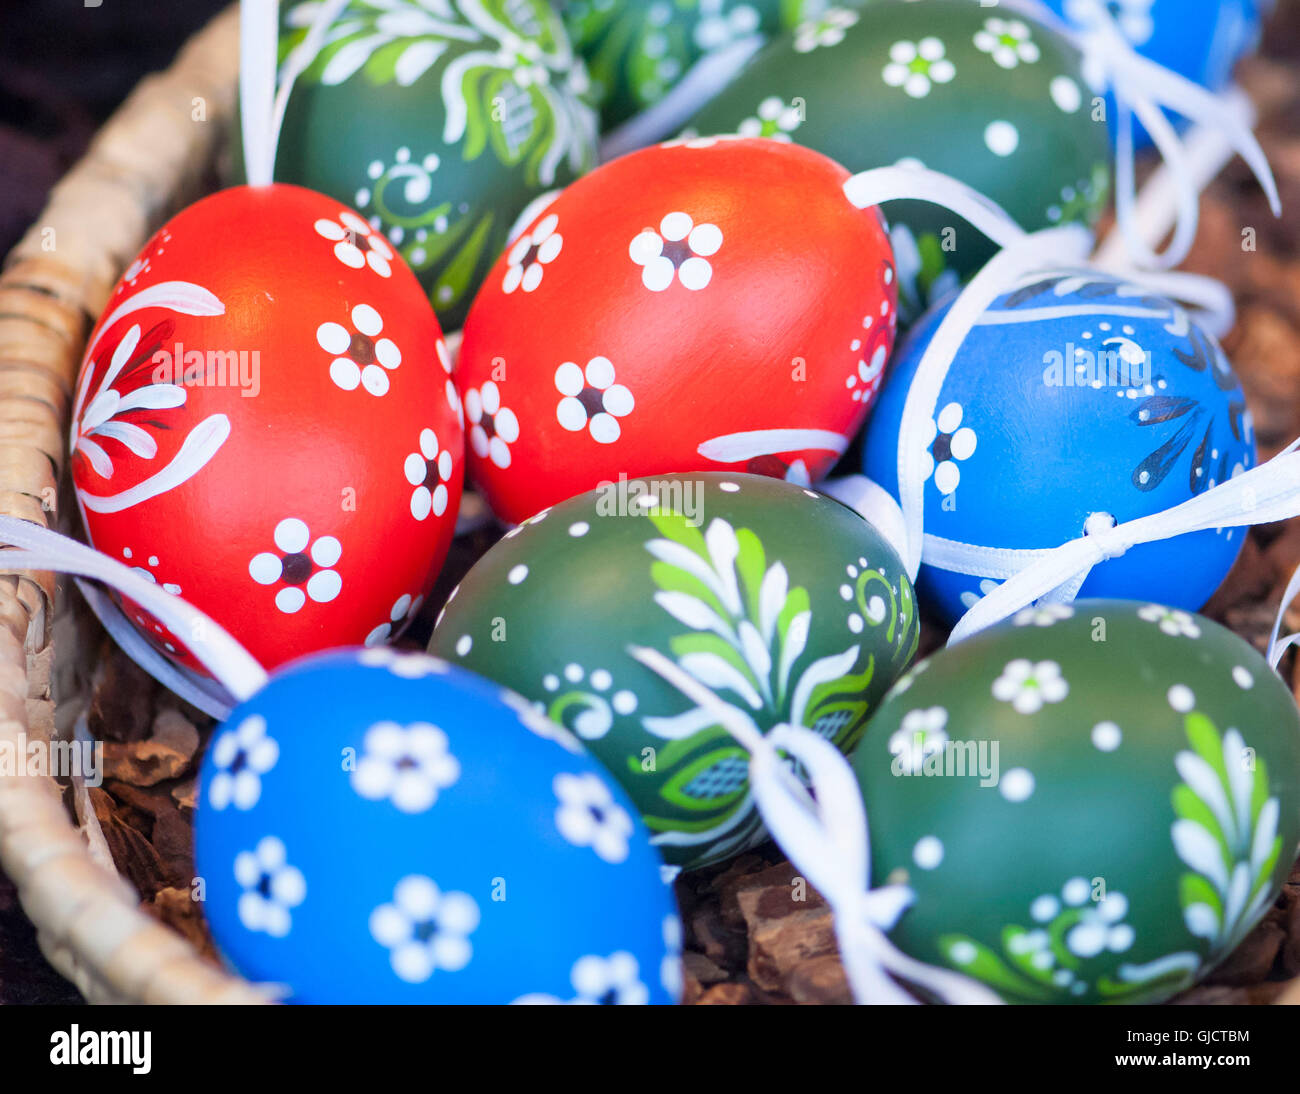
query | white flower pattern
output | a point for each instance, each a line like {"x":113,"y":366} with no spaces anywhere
{"x":493,"y":428}
{"x":407,"y":666}
{"x":947,"y":441}
{"x":588,"y":816}
{"x":302,"y":562}
{"x":361,"y":356}
{"x":356,"y":243}
{"x":1171,"y":621}
{"x":428,"y":471}
{"x":241,"y":755}
{"x":1027,"y":686}
{"x":680,"y":250}
{"x":1008,"y":42}
{"x":774,"y":119}
{"x":404,"y":609}
{"x":825,"y":30}
{"x":1044,"y":615}
{"x":407,"y":765}
{"x":917,"y":66}
{"x":920,"y":735}
{"x":592,"y":399}
{"x":424,"y":929}
{"x":272,"y":888}
{"x":530,"y":254}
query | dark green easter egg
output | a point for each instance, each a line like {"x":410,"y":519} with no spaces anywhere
{"x":439,"y":122}
{"x":1138,"y":817}
{"x":988,"y":96}
{"x":784,"y":603}
{"x":637,"y":50}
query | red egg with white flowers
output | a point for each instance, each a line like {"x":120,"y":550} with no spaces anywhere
{"x":265,"y":424}
{"x":700,"y":305}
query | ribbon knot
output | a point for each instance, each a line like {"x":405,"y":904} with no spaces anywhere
{"x":1105,"y":535}
{"x":1267,"y":493}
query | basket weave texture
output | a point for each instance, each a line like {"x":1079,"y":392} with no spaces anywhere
{"x":148,"y":159}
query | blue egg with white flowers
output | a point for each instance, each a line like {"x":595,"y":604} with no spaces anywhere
{"x":1077,"y":401}
{"x":380,"y":827}
{"x":1200,"y":40}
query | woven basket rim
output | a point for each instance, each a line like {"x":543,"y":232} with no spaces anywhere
{"x":149,"y":154}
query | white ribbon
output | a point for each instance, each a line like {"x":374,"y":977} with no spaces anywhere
{"x":259,"y":35}
{"x":1143,"y":87}
{"x":201,"y":692}
{"x":826,"y":838}
{"x":1022,"y":254}
{"x":38,"y":548}
{"x":874,"y":504}
{"x":1205,"y":153}
{"x":1277,"y":648}
{"x":1264,"y":494}
{"x":261,"y":103}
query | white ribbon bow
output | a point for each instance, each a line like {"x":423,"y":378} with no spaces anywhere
{"x":826,"y":839}
{"x":1264,"y":494}
{"x":1143,"y":87}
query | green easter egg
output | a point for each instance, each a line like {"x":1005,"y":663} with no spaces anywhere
{"x":1091,"y":804}
{"x":988,"y":96}
{"x":439,"y":121}
{"x":638,"y":50}
{"x":782,"y":601}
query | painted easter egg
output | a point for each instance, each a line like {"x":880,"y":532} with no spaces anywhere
{"x":784,"y":603}
{"x":439,"y":122}
{"x":1076,"y":398}
{"x":994,"y":99}
{"x":638,"y":50}
{"x":431,"y":837}
{"x":1113,"y":789}
{"x":265,"y":424}
{"x":681,"y":308}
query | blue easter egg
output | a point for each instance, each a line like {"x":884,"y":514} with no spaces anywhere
{"x":1201,"y":40}
{"x":1076,"y":394}
{"x":376,"y":827}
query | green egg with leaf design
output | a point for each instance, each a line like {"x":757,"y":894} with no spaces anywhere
{"x":986,"y":94}
{"x":783,"y":602}
{"x":637,"y":51}
{"x":1089,"y":804}
{"x":438,"y":121}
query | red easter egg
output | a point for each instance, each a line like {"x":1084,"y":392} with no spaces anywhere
{"x":265,"y":424}
{"x":700,"y":305}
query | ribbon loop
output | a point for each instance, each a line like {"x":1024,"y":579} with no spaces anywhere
{"x":37,"y":548}
{"x":1277,"y":648}
{"x":826,"y":838}
{"x":1145,"y":89}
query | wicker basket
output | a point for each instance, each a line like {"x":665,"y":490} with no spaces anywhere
{"x":148,"y":160}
